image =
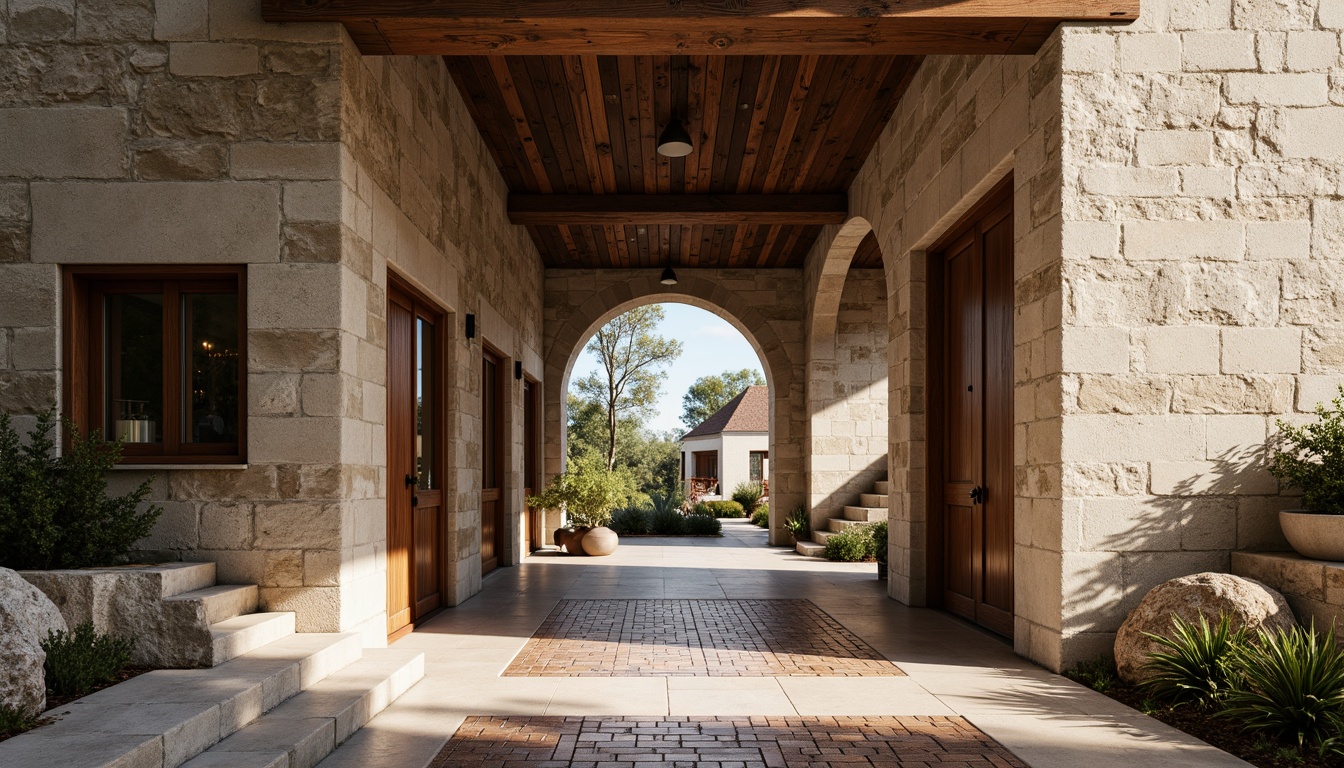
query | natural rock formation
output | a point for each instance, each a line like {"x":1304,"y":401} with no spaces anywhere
{"x":600,"y":542}
{"x":26,"y":616}
{"x":1250,"y":604}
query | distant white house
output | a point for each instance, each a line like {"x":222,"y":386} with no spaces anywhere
{"x":732,"y":446}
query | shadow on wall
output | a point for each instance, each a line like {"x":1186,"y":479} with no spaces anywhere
{"x":1188,"y":519}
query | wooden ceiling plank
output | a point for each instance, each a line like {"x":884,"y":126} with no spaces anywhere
{"x":634,"y":152}
{"x":551,"y":96}
{"x":821,"y":122}
{"x":848,"y":123}
{"x":513,"y":102}
{"x":594,"y":101}
{"x":695,"y":91}
{"x":793,"y":120}
{"x":760,"y":115}
{"x":611,"y":87}
{"x":660,"y":84}
{"x":744,"y":112}
{"x":581,"y":115}
{"x":706,"y":130}
{"x":485,"y":103}
{"x":648,"y":122}
{"x":785,"y":77}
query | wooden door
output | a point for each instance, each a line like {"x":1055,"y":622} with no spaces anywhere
{"x":414,"y":460}
{"x":492,"y":463}
{"x":532,"y":517}
{"x":971,"y":416}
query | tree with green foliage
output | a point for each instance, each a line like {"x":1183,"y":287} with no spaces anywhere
{"x":710,"y":393}
{"x":631,"y":357}
{"x":588,"y":492}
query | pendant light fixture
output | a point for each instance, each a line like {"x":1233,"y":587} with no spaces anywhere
{"x":669,"y":275}
{"x":674,"y":141}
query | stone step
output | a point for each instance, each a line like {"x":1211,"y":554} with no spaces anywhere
{"x":810,"y":549}
{"x":873,"y":500}
{"x":222,"y":601}
{"x":167,"y":717}
{"x":820,"y":537}
{"x":865,"y":514}
{"x":838,"y":524}
{"x":234,"y":637}
{"x":882,"y":487}
{"x":307,"y":728}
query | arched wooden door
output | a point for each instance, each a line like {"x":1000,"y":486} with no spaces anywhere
{"x":415,"y":470}
{"x":971,"y":417}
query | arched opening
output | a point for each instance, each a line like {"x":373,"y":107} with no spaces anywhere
{"x":847,"y":389}
{"x":764,"y":318}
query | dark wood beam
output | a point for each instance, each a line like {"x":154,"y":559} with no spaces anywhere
{"x":698,"y":27}
{"x":711,"y":210}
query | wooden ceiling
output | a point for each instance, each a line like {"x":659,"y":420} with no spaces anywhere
{"x":569,"y":131}
{"x":868,"y":255}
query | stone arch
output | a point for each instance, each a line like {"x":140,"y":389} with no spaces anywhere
{"x":847,"y":374}
{"x":762,"y":314}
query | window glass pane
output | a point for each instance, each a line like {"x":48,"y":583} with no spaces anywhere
{"x":133,"y":367}
{"x":489,"y":424}
{"x":424,"y":404}
{"x":756,"y":462}
{"x":210,"y":336}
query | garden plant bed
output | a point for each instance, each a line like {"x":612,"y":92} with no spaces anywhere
{"x":1224,"y":733}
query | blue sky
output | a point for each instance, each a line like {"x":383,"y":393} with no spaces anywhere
{"x":709,"y":345}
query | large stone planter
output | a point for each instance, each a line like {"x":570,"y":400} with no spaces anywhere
{"x":1319,"y":537}
{"x":600,"y":542}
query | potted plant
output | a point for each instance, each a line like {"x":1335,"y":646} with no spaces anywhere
{"x":1310,"y":458}
{"x":798,"y":524}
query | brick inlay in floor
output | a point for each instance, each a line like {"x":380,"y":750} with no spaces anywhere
{"x":699,"y":638}
{"x":722,"y":742}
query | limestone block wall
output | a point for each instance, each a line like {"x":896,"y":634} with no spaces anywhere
{"x":765,"y":305}
{"x":192,"y":132}
{"x":1203,"y":285}
{"x":422,"y":197}
{"x":965,"y":124}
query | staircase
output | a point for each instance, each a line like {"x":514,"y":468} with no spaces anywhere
{"x":274,"y":699}
{"x":872,"y":508}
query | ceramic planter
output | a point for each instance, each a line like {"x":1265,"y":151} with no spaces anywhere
{"x":1315,"y":536}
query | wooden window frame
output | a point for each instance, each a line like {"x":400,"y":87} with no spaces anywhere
{"x":83,"y":361}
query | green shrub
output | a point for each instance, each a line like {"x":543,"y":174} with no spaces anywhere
{"x":631,"y":521}
{"x":1198,"y":663}
{"x":720,"y":509}
{"x":83,"y":658}
{"x":667,"y":502}
{"x":667,"y":523}
{"x":748,"y":495}
{"x":587,"y":491}
{"x":761,"y":517}
{"x":1098,"y":674}
{"x":55,"y":511}
{"x":852,"y":545}
{"x":1290,"y":683}
{"x":799,"y":524}
{"x":880,"y":540}
{"x":703,"y":525}
{"x":1311,"y":457}
{"x":14,"y":721}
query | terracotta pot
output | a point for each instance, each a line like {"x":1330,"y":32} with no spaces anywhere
{"x":1315,"y":536}
{"x":600,"y":542}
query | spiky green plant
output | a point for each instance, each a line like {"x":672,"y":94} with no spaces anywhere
{"x":799,"y":524}
{"x":1198,"y":664}
{"x":1291,"y":684}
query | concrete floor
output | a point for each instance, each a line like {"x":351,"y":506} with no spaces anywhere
{"x":953,"y":669}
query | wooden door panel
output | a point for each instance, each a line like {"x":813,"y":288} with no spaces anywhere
{"x":400,"y":418}
{"x":428,"y":533}
{"x":997,"y":507}
{"x":492,"y":463}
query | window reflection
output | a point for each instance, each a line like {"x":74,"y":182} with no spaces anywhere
{"x":133,"y":367}
{"x":210,"y":334}
{"x":424,"y":404}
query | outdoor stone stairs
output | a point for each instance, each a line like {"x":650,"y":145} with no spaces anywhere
{"x":872,"y":507}
{"x":274,"y":699}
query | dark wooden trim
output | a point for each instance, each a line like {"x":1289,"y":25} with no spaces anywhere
{"x":713,"y":210}
{"x":698,"y":27}
{"x":992,"y":199}
{"x":83,"y":360}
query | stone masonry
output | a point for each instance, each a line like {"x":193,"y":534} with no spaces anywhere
{"x":190,"y":132}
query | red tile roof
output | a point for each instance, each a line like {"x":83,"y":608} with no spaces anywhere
{"x":748,"y":412}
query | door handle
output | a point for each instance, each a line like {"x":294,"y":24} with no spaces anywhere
{"x":978,"y":495}
{"x":410,"y":481}
{"x":415,"y":501}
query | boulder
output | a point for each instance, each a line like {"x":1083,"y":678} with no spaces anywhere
{"x":1250,"y":604}
{"x":26,"y":616}
{"x":600,"y":542}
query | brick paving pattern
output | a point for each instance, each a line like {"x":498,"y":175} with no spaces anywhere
{"x":722,"y":742}
{"x":695,"y":638}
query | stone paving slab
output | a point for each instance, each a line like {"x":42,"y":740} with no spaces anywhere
{"x":698,"y":638}
{"x":721,"y":742}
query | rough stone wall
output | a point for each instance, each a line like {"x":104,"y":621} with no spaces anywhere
{"x":964,"y":124}
{"x":423,"y":198}
{"x":191,"y":132}
{"x":765,"y":305}
{"x":1203,"y":279}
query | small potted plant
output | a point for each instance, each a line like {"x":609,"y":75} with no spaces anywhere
{"x":880,"y":548}
{"x":798,"y":524}
{"x":1310,"y":458}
